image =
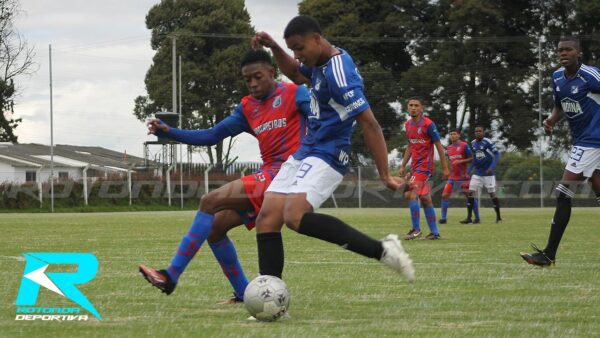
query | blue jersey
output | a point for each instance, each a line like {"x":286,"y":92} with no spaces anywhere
{"x":485,"y":156}
{"x":579,"y":98}
{"x":337,"y":98}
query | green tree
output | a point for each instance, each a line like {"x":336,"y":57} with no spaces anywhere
{"x":16,"y":58}
{"x":211,"y":37}
{"x":471,"y":65}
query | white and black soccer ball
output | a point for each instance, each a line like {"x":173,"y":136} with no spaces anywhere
{"x":267,"y":298}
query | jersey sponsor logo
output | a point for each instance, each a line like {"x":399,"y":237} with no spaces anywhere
{"x":453,"y":157}
{"x":344,"y":157}
{"x":574,"y":89}
{"x":571,"y":107}
{"x":349,"y":108}
{"x":277,"y":101}
{"x":417,"y":141}
{"x":348,"y":95}
{"x":270,"y":125}
{"x":480,"y":154}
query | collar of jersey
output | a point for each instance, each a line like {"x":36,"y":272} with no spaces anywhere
{"x":342,"y":52}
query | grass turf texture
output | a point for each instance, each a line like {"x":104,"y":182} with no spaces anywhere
{"x":471,"y":283}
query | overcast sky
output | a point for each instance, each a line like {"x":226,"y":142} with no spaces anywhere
{"x":100,"y":55}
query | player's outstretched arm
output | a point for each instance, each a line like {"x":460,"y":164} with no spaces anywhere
{"x":201,"y":137}
{"x":374,"y":139}
{"x":288,"y":65}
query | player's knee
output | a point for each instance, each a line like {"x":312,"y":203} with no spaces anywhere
{"x":425,"y":200}
{"x":267,"y":222}
{"x":292,"y":220}
{"x":208,"y":203}
{"x":445,"y":196}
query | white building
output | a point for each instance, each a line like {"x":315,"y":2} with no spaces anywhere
{"x":29,"y":163}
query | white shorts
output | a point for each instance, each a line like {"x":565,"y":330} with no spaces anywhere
{"x":477,"y":182}
{"x":583,"y":160}
{"x":312,"y":176}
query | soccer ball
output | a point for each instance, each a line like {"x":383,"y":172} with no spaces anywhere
{"x":267,"y":298}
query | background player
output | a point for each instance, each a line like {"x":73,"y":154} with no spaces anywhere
{"x":486,"y":157}
{"x":460,"y":155}
{"x":307,"y":180}
{"x":576,"y":89}
{"x":422,"y":137}
{"x":274,"y":113}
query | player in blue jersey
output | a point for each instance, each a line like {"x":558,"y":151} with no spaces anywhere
{"x":275,"y":113}
{"x":485,"y":159}
{"x":576,"y":89}
{"x":307,"y":179}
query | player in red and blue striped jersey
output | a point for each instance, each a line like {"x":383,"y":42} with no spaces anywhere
{"x":459,"y":153}
{"x":576,"y":89}
{"x":423,"y":136}
{"x":276,"y":114}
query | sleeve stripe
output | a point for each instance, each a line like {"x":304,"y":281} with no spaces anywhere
{"x":591,"y":71}
{"x":338,"y":71}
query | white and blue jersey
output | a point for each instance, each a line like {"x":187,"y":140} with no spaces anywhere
{"x":337,"y":98}
{"x":579,"y":98}
{"x":485,"y":156}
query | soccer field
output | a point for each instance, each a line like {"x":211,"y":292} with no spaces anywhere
{"x":471,"y":283}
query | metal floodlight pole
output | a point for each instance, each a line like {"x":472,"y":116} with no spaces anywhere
{"x":180,"y":144}
{"x":541,"y":138}
{"x":51,"y":134}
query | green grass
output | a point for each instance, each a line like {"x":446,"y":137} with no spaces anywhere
{"x":471,"y":283}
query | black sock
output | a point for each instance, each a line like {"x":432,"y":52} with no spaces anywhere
{"x":559,"y":224}
{"x":270,"y":253}
{"x":496,"y":207}
{"x":331,"y":229}
{"x":470,"y":203}
{"x":598,"y":198}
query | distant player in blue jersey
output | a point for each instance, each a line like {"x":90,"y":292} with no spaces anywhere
{"x":276,"y":114}
{"x":307,"y":180}
{"x":485,"y":158}
{"x":576,"y":89}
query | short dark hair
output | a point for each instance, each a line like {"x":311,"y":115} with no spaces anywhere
{"x":300,"y":25}
{"x":455,"y":130}
{"x":256,"y":56}
{"x":479,"y":126}
{"x":571,"y":38}
{"x":416,"y":98}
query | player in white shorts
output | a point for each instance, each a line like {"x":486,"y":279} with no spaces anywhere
{"x":576,"y":89}
{"x":311,"y":175}
{"x":485,"y":158}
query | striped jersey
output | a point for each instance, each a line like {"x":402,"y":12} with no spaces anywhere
{"x":421,"y":134}
{"x":457,"y":151}
{"x":336,"y":99}
{"x":579,"y":98}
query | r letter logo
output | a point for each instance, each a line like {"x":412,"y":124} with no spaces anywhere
{"x":62,"y":283}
